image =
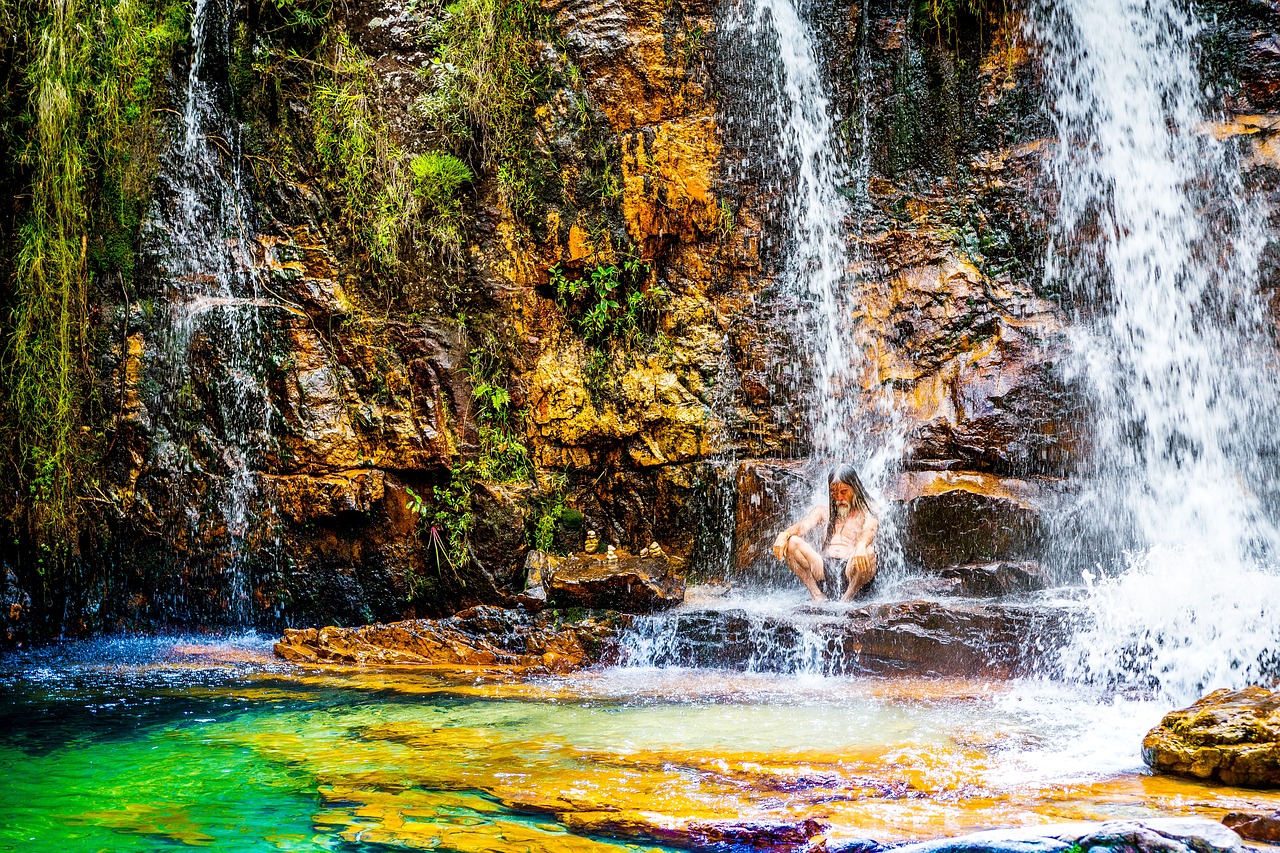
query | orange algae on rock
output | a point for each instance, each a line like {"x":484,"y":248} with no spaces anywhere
{"x":480,"y":639}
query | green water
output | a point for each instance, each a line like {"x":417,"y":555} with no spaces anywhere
{"x":162,"y":744}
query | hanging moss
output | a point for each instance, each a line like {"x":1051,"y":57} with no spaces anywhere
{"x":90,"y":71}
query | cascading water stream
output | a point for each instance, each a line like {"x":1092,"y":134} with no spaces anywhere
{"x":210,"y":378}
{"x":1157,"y":243}
{"x":834,"y":373}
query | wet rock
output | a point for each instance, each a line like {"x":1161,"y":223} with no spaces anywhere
{"x":510,"y":641}
{"x":498,"y":540}
{"x":763,"y":507}
{"x":918,"y":637}
{"x":1155,"y":835}
{"x":952,"y":518}
{"x":15,"y":610}
{"x":953,"y":639}
{"x":698,"y":834}
{"x":993,"y":580}
{"x":1255,"y":826}
{"x":1000,"y":408}
{"x":302,"y":498}
{"x":1229,"y":736}
{"x":626,"y":583}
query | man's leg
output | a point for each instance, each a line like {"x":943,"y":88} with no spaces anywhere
{"x":807,"y":564}
{"x":859,"y":572}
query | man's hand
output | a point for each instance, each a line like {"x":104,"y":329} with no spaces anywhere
{"x":780,"y":545}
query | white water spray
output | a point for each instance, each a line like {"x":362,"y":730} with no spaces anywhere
{"x":1157,"y":240}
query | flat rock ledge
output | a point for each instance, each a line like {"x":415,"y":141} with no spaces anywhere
{"x":910,"y":637}
{"x":1229,"y":736}
{"x":626,"y":583}
{"x":1151,"y":835}
{"x":514,"y":641}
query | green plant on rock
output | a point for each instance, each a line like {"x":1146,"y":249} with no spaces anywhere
{"x":83,"y":75}
{"x":610,"y":302}
{"x":446,"y":522}
{"x":388,"y":194}
{"x":486,"y":80}
{"x":502,"y":456}
{"x":547,"y":510}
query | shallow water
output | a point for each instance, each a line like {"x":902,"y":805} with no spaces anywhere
{"x":158,"y":743}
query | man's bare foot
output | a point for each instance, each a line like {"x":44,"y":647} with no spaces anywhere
{"x":817,"y":597}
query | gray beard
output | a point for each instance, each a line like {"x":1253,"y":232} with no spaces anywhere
{"x":842,"y":510}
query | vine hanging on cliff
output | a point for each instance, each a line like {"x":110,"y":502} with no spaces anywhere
{"x":88,"y":73}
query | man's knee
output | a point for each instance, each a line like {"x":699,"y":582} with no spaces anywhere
{"x":795,"y":548}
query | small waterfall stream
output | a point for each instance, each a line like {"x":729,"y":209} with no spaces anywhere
{"x":1157,"y":243}
{"x":211,"y":366}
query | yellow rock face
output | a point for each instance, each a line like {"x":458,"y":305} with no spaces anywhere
{"x":652,"y":412}
{"x":668,"y":171}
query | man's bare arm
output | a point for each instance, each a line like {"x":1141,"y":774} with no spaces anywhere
{"x":815,"y":517}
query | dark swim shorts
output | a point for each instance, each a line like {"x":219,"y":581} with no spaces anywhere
{"x":833,"y":575}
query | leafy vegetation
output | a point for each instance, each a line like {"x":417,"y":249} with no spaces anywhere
{"x":610,"y":302}
{"x":502,"y":456}
{"x":947,"y":19}
{"x":486,"y":81}
{"x":447,"y":523}
{"x":548,"y":509}
{"x":90,"y":70}
{"x":388,"y":194}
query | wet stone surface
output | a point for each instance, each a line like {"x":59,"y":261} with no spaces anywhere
{"x":1229,"y":736}
{"x":511,"y":641}
{"x":629,"y":584}
{"x":921,"y":637}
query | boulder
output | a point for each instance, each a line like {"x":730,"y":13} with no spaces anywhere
{"x":1255,"y":826}
{"x":993,"y":580}
{"x":961,"y":517}
{"x":630,"y":584}
{"x":1229,"y":736}
{"x":482,"y":638}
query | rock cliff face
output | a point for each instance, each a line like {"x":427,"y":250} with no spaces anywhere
{"x":650,"y":119}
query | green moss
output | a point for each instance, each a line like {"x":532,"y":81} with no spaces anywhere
{"x":487,"y":82}
{"x":91,"y":70}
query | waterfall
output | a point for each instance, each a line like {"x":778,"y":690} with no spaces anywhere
{"x":1156,"y":249}
{"x":832,"y":372}
{"x":211,"y":397}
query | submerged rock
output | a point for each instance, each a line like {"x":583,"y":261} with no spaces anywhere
{"x":626,"y":583}
{"x":1231,"y":736}
{"x":1255,"y":826}
{"x":1153,"y":835}
{"x":512,"y":641}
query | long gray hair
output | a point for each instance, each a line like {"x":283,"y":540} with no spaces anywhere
{"x":847,"y":474}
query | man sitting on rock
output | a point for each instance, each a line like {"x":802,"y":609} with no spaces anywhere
{"x":850,"y":529}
